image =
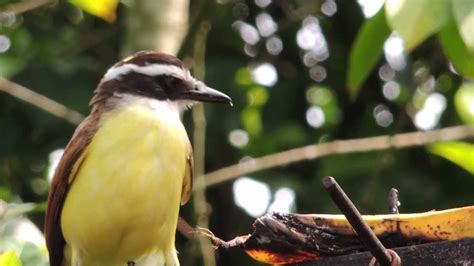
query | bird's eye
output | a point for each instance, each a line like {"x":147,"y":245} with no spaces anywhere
{"x":172,"y":81}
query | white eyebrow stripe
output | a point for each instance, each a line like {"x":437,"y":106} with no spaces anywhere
{"x":150,"y":70}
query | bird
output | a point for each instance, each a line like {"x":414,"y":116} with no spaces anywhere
{"x":116,"y":192}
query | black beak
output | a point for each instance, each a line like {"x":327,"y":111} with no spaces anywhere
{"x":200,"y":92}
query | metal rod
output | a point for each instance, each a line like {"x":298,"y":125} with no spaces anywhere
{"x":393,"y":202}
{"x":365,"y":234}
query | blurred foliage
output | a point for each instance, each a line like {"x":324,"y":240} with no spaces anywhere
{"x":104,"y":9}
{"x":414,"y":21}
{"x":367,"y":50}
{"x":10,"y":258}
{"x":463,"y":12}
{"x":463,"y":101}
{"x":460,"y":153}
{"x":20,"y":237}
{"x":339,"y":75}
{"x":456,"y":50}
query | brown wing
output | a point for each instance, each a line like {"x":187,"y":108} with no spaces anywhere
{"x":187,"y":188}
{"x":63,"y":177}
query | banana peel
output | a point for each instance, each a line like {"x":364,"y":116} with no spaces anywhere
{"x":281,"y":238}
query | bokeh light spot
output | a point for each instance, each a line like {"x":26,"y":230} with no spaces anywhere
{"x":394,"y":52}
{"x":263,"y":3}
{"x":319,"y":95}
{"x":310,"y":38}
{"x":391,"y":90}
{"x":435,"y":103}
{"x":370,"y":7}
{"x":251,"y":195}
{"x":5,"y":43}
{"x":238,"y":138}
{"x":383,"y":116}
{"x":7,"y":19}
{"x":39,"y":186}
{"x":274,"y":45}
{"x":265,"y":24}
{"x":329,"y":8}
{"x":257,"y":96}
{"x":248,"y":33}
{"x":315,"y":116}
{"x":386,"y":73}
{"x":318,"y":73}
{"x":240,"y":11}
{"x":250,"y":50}
{"x":428,"y":116}
{"x":252,"y":120}
{"x":283,"y":200}
{"x":265,"y":74}
{"x":425,"y":120}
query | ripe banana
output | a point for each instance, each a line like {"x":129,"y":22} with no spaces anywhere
{"x":289,"y":238}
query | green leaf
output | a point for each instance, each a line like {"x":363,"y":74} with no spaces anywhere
{"x":10,"y":258}
{"x":414,"y":21}
{"x":463,"y":11}
{"x":464,"y":103}
{"x":366,"y":51}
{"x":460,"y":153}
{"x":104,"y":9}
{"x":456,"y":50}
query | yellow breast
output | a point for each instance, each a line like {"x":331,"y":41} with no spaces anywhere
{"x":124,"y":201}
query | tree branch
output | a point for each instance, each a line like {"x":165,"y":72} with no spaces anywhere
{"x":201,"y":207}
{"x":22,"y":7}
{"x":157,"y":25}
{"x":310,"y":152}
{"x":40,"y":101}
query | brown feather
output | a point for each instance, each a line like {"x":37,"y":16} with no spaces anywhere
{"x":187,"y":188}
{"x":63,"y":177}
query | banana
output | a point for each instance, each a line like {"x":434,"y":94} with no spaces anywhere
{"x":289,"y":238}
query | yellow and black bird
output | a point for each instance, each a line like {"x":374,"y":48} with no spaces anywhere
{"x":116,"y":192}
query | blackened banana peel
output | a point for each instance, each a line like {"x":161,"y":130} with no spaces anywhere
{"x":289,"y":238}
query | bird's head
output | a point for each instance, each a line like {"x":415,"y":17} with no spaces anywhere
{"x":156,"y":76}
